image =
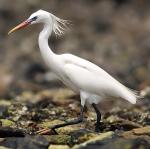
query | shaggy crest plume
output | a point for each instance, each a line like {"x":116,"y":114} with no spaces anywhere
{"x":60,"y":26}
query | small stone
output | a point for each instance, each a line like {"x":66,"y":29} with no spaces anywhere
{"x":58,"y":139}
{"x":68,"y":129}
{"x":112,"y":119}
{"x":134,"y":133}
{"x":6,"y":122}
{"x":145,"y":92}
{"x":23,"y":110}
{"x":58,"y":147}
{"x":127,"y":135}
{"x":51,"y":123}
{"x":142,"y":131}
{"x":99,"y":138}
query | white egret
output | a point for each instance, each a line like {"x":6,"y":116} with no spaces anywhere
{"x":85,"y":78}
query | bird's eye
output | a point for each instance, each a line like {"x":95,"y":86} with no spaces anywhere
{"x":34,"y":18}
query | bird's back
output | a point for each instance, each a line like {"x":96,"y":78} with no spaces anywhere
{"x":93,"y":79}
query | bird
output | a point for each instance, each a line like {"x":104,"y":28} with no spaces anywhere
{"x":90,"y":81}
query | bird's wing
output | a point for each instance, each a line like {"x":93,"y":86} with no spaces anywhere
{"x":89,"y":77}
{"x":89,"y":66}
{"x":85,"y":80}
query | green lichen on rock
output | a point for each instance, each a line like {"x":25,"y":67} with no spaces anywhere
{"x":7,"y":123}
{"x":50,"y":123}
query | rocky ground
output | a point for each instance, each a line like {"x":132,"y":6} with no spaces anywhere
{"x":122,"y":127}
{"x":114,"y":34}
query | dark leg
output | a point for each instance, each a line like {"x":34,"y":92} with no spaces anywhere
{"x":98,"y":124}
{"x":72,"y":122}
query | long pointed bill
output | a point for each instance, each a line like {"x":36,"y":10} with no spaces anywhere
{"x":23,"y":24}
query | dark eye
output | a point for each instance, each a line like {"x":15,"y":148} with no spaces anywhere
{"x":34,"y":18}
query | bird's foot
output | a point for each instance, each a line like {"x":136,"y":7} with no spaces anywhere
{"x":98,"y":127}
{"x":46,"y":131}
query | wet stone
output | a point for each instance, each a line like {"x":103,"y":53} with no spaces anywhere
{"x":27,"y":142}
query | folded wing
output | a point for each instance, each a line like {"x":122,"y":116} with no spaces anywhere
{"x":93,"y":79}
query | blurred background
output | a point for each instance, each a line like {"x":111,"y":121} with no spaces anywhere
{"x":114,"y":34}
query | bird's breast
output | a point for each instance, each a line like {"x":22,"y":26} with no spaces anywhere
{"x":57,"y":67}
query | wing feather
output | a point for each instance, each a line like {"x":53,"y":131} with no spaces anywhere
{"x":89,"y":77}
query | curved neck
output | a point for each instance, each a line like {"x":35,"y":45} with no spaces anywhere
{"x":43,"y":41}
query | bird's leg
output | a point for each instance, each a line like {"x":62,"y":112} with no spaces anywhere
{"x":71,"y":122}
{"x":98,"y":124}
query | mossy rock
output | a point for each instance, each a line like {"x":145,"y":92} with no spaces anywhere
{"x":7,"y":123}
{"x":48,"y":124}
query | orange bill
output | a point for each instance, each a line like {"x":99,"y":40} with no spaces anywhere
{"x":23,"y":24}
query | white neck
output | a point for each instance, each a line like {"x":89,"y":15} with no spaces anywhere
{"x":46,"y":52}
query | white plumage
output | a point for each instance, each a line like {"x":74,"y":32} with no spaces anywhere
{"x":79,"y":74}
{"x":93,"y":80}
{"x":90,"y":81}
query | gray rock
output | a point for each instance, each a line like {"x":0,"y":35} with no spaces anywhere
{"x":96,"y":140}
{"x":27,"y":142}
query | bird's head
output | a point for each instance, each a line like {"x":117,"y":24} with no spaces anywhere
{"x":41,"y":16}
{"x":37,"y":17}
